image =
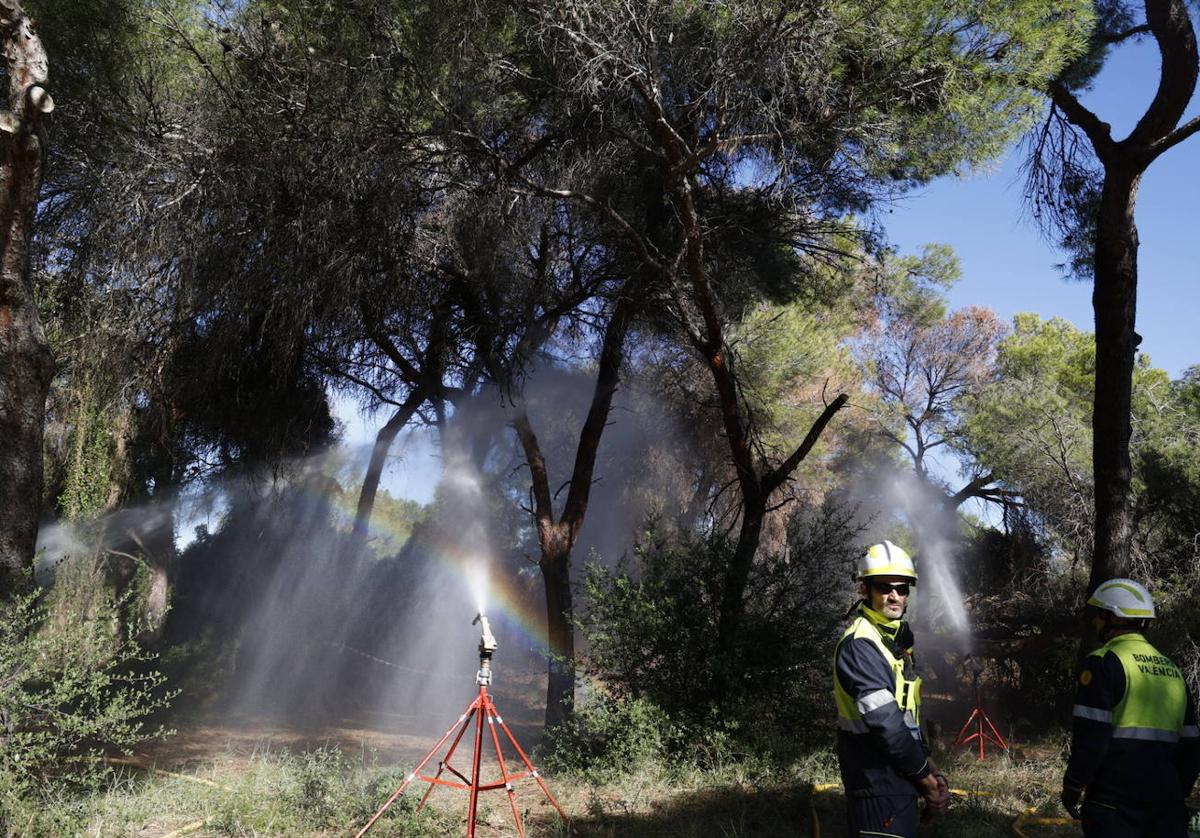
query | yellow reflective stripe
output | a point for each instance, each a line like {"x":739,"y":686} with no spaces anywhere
{"x":1148,"y":734}
{"x":875,"y":700}
{"x":1128,"y":612}
{"x":1136,"y":593}
{"x":1082,"y":711}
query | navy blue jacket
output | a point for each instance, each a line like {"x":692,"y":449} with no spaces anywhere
{"x":1124,"y":771}
{"x":890,"y":756}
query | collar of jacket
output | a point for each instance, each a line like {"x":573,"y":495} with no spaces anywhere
{"x":885,"y":626}
{"x":896,"y":632}
{"x":1124,"y":636}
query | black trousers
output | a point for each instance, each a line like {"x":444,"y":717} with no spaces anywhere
{"x":1101,"y":820}
{"x":882,"y":817}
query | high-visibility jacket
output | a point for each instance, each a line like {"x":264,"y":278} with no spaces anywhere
{"x":878,"y":697}
{"x":1134,"y":736}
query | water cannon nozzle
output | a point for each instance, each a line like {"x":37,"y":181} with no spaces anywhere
{"x":487,"y":640}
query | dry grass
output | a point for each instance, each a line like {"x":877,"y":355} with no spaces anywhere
{"x":323,"y":793}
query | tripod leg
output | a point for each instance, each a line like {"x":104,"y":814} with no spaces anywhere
{"x":532,"y":771}
{"x":961,"y":738}
{"x":445,"y":763}
{"x":508,"y":786}
{"x":473,"y":805}
{"x":996,"y":737}
{"x":413,"y":774}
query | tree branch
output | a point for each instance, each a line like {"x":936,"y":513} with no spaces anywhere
{"x":1118,"y":37}
{"x":607,"y":379}
{"x":540,"y":477}
{"x":1171,"y":25}
{"x":1097,"y":131}
{"x":774,"y":479}
{"x":1176,"y":137}
{"x":974,"y":489}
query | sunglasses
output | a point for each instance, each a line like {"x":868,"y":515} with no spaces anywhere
{"x":885,"y":588}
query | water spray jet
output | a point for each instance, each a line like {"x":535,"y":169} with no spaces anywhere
{"x":482,"y":711}
{"x":477,"y":581}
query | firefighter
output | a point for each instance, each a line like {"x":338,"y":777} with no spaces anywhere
{"x":1135,"y":749}
{"x":883,"y":757}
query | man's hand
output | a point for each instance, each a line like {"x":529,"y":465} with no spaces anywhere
{"x":936,"y":791}
{"x":1070,"y":801}
{"x":937,"y":772}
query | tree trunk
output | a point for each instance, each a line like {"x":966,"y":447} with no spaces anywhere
{"x":756,"y":494}
{"x":1114,"y":299}
{"x":737,"y":575}
{"x":557,"y":538}
{"x":560,"y":690}
{"x":156,"y":549}
{"x":383,"y":444}
{"x":161,"y":557}
{"x":26,"y":364}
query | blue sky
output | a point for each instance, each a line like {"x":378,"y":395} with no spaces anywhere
{"x":1009,"y":267}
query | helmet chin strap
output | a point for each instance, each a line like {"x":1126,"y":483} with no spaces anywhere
{"x":1113,"y":626}
{"x":1106,"y":625}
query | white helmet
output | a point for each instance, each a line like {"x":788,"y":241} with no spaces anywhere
{"x":885,"y":559}
{"x":1125,"y":598}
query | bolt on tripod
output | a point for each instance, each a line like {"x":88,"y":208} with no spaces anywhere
{"x":482,"y":711}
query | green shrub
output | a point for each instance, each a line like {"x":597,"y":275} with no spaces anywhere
{"x":320,"y":791}
{"x":607,"y":737}
{"x":318,"y":784}
{"x":71,"y":687}
{"x":652,"y":630}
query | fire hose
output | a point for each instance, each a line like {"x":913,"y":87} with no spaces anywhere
{"x":187,"y":828}
{"x":1026,"y":818}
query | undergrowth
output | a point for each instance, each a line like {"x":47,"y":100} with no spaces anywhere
{"x":326,"y":792}
{"x":315,"y":793}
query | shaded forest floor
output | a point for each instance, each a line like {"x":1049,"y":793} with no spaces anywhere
{"x":255,"y":780}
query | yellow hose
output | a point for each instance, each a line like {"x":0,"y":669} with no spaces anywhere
{"x":186,"y":828}
{"x":136,"y":763}
{"x":191,"y":827}
{"x":1024,"y":819}
{"x":815,"y":789}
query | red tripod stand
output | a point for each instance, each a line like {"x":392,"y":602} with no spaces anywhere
{"x":985,"y":731}
{"x":481,"y":711}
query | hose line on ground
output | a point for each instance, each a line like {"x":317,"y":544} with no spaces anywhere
{"x":141,"y":765}
{"x":1026,"y":818}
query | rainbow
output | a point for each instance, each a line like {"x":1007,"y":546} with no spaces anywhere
{"x":510,"y":608}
